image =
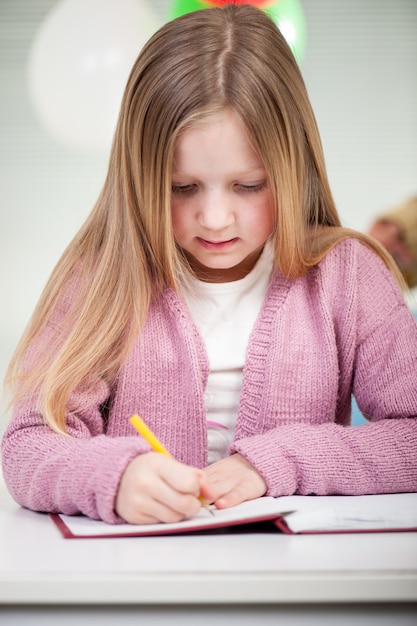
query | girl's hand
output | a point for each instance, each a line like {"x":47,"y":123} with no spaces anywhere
{"x":156,"y":488}
{"x":233,"y":480}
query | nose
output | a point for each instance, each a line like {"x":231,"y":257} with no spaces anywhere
{"x":216,"y":210}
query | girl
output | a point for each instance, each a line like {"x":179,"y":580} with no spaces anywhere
{"x":213,"y":291}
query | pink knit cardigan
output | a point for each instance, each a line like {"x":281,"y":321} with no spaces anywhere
{"x":343,"y":328}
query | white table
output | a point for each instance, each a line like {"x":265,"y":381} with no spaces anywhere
{"x":223,"y":578}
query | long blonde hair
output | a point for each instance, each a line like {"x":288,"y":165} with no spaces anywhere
{"x":125,"y":255}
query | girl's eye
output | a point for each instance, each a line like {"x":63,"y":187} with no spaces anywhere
{"x":258,"y":187}
{"x":182,"y":189}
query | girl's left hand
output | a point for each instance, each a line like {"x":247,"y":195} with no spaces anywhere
{"x":233,"y":480}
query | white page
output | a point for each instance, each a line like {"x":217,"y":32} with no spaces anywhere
{"x":265,"y":507}
{"x":369,"y":512}
{"x":308,"y":513}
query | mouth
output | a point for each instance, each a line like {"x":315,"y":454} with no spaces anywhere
{"x":217,"y":245}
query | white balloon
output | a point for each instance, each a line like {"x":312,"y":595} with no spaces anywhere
{"x":79,"y":64}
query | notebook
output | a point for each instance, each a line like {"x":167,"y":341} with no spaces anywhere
{"x":288,"y":514}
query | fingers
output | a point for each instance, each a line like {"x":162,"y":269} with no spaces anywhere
{"x":155,"y":488}
{"x":147,"y":509}
{"x":234,"y":480}
{"x":207,"y":493}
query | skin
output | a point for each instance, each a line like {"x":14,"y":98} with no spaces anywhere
{"x":391,"y":236}
{"x":221,"y":203}
{"x":222,"y":216}
{"x":156,"y":488}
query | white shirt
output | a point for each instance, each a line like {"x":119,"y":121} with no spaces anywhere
{"x":225,"y":314}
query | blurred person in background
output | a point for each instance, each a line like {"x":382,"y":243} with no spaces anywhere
{"x":397,"y":231}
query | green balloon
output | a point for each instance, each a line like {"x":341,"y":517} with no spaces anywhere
{"x":181,"y":7}
{"x":287,"y":14}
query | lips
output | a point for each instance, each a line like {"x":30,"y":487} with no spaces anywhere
{"x":217,"y":245}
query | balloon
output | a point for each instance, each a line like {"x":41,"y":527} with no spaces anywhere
{"x":256,"y":3}
{"x":181,"y":7}
{"x":78,"y":66}
{"x":287,"y":14}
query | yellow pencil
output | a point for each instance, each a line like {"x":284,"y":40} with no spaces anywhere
{"x":138,"y":423}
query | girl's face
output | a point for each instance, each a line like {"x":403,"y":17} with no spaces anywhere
{"x":221,"y":203}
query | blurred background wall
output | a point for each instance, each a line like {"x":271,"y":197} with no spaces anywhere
{"x":360,"y":66}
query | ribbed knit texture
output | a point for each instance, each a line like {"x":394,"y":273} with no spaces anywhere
{"x":341,"y":329}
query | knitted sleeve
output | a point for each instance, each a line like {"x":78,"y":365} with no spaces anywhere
{"x":46,"y":471}
{"x":52,"y":472}
{"x":379,"y":456}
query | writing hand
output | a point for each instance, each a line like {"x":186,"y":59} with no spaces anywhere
{"x":157,"y":488}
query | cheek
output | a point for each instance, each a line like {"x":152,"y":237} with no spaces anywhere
{"x":262,"y":219}
{"x":175,"y":214}
{"x":179,"y":222}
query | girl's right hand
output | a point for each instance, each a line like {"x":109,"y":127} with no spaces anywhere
{"x":157,"y":488}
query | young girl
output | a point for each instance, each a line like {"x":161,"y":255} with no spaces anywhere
{"x":213,"y":291}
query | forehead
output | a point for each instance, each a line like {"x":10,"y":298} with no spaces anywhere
{"x":215,"y":136}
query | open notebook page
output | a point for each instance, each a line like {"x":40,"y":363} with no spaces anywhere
{"x":301,"y":514}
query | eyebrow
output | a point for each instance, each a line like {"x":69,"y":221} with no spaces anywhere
{"x":244,"y":172}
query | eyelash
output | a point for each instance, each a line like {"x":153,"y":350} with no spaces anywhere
{"x":182,"y":189}
{"x":251,"y":188}
{"x":189,"y":189}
